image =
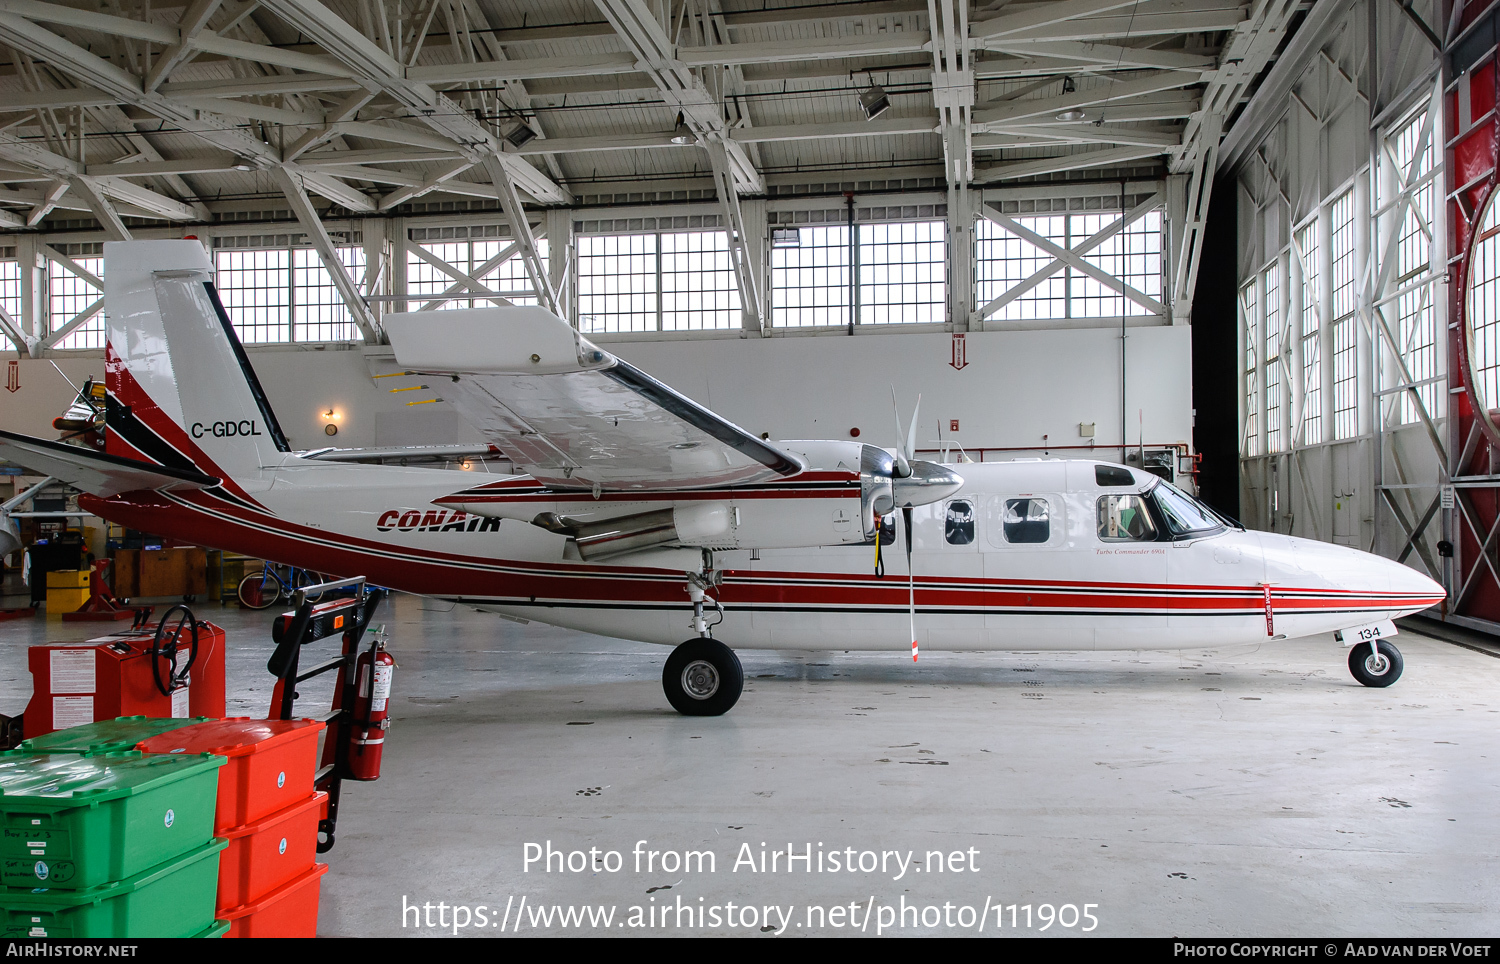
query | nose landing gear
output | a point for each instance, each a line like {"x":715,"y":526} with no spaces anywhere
{"x":703,"y":677}
{"x":1378,"y":665}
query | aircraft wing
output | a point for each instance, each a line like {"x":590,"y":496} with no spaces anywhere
{"x":570,"y":414}
{"x":94,"y":472}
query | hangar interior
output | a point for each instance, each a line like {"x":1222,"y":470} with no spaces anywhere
{"x":1225,"y":243}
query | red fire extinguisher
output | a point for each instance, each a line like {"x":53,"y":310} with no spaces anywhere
{"x":372,"y":696}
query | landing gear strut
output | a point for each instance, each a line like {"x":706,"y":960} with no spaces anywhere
{"x":1377,"y":665}
{"x":703,"y":677}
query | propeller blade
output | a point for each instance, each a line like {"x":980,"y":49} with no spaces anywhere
{"x":911,"y":584}
{"x":903,"y":467}
{"x":911,"y":434}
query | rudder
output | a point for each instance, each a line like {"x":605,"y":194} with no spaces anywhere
{"x":181,"y":389}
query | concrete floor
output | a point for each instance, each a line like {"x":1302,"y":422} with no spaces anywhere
{"x":1258,"y":792}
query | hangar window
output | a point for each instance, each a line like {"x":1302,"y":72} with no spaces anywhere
{"x":1027,"y":521}
{"x":810,"y":282}
{"x":1123,"y":518}
{"x":493,"y":261}
{"x":958,"y":523}
{"x":10,"y":295}
{"x":1305,"y":248}
{"x":1019,"y":275}
{"x":1345,"y":361}
{"x":68,"y":295}
{"x":1484,"y":309}
{"x":284,"y":294}
{"x":1251,"y":327}
{"x":1275,"y":364}
{"x":1408,"y":175}
{"x":903,"y":275}
{"x":668,"y":281}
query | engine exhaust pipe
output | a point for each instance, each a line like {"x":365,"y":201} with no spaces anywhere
{"x":644,"y":530}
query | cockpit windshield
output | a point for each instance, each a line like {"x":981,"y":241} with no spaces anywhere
{"x":1184,"y":514}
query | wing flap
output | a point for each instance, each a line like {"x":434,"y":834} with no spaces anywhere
{"x":572,"y":415}
{"x":95,"y":472}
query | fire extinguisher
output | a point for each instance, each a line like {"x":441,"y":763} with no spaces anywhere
{"x":372,"y":696}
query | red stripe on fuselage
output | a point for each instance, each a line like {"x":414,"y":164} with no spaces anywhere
{"x":428,"y":572}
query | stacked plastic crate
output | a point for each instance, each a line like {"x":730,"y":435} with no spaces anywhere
{"x":268,"y":810}
{"x":108,"y":844}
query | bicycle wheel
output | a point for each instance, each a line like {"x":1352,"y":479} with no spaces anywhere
{"x":306,"y":577}
{"x":259,"y":590}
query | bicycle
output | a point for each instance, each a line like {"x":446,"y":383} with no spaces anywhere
{"x":262,"y":590}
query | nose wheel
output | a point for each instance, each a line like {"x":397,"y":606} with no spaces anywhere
{"x":1380,"y":667}
{"x":702,"y":677}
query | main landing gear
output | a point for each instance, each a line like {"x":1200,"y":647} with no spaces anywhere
{"x":1377,"y":666}
{"x":703,"y":677}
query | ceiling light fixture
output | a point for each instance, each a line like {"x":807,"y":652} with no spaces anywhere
{"x":521,"y":135}
{"x":874,"y":101}
{"x":1071,"y":115}
{"x":682,"y":134}
{"x":240,"y":164}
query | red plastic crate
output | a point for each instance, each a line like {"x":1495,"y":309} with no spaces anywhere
{"x":289,"y":911}
{"x":268,"y":853}
{"x":271,"y":763}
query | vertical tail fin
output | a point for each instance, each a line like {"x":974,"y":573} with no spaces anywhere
{"x":181,"y":389}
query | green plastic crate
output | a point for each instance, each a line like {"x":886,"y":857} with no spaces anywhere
{"x":172,"y":899}
{"x":106,"y":736}
{"x":70,"y":822}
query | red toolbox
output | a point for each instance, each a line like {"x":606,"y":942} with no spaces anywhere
{"x":112,"y":676}
{"x":291,"y":910}
{"x":264,"y":855}
{"x":271,"y":763}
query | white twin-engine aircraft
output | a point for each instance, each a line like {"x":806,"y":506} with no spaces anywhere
{"x":643,"y":515}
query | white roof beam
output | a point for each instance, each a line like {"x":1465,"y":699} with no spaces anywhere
{"x":62,"y":168}
{"x":128,"y":88}
{"x":312,"y":226}
{"x":193,"y":22}
{"x":205,"y":40}
{"x":1016,"y":110}
{"x":787,"y":51}
{"x":377,"y":68}
{"x":1091,"y":134}
{"x":500,"y":70}
{"x":1069,"y":162}
{"x":1111,"y":55}
{"x":1044,"y":15}
{"x":1160,"y":18}
{"x":88,"y":189}
{"x":680,"y":87}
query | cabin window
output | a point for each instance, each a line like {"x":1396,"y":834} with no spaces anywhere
{"x":958,"y":525}
{"x":1123,"y":518}
{"x":1112,"y":475}
{"x":1027,"y":521}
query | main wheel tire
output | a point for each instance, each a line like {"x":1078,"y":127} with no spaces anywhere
{"x":1381,"y":668}
{"x":703,"y":677}
{"x":258,"y":591}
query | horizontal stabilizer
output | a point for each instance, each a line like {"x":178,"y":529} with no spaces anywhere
{"x":94,"y":472}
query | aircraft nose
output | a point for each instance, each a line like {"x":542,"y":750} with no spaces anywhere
{"x":1406,"y":580}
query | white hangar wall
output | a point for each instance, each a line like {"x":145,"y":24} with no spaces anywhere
{"x":1016,"y":387}
{"x":1333,"y":442}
